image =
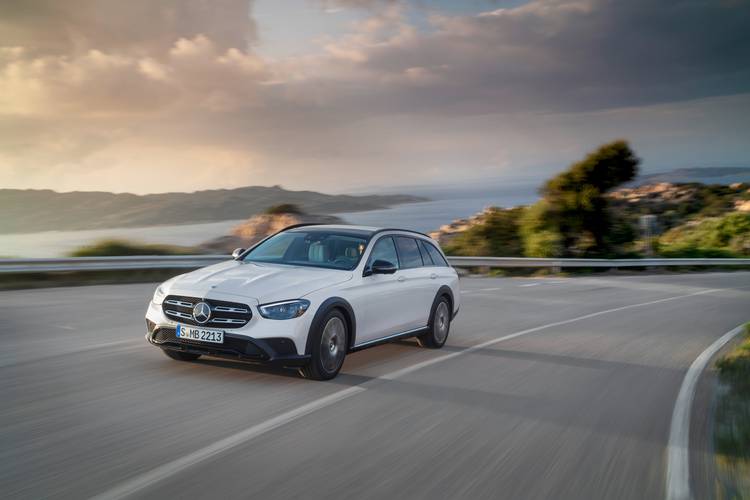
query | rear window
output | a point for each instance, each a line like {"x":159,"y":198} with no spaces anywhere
{"x":437,"y":257}
{"x":408,"y":252}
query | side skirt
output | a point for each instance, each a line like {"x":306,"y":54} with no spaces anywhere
{"x":396,"y":336}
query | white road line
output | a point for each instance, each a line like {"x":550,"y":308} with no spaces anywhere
{"x":678,"y":456}
{"x":424,"y":364}
{"x":137,"y":483}
{"x":529,"y":284}
{"x":156,"y":474}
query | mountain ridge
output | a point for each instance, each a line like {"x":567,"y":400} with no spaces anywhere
{"x":32,"y":210}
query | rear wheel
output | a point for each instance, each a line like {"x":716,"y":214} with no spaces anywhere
{"x":439,"y":327}
{"x":328,"y":348}
{"x":181,"y":356}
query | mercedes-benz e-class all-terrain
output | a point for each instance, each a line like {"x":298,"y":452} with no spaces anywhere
{"x":307,"y":296}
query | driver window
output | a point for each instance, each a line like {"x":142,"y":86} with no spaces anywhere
{"x":384,"y":249}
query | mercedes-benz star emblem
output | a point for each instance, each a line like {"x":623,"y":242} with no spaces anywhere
{"x":201,"y":312}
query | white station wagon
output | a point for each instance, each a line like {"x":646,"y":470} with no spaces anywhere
{"x":307,"y":296}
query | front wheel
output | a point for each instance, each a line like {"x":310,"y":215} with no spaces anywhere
{"x":439,"y":327}
{"x":329,"y":345}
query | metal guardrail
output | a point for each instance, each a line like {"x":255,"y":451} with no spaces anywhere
{"x":612,"y":263}
{"x":140,"y":262}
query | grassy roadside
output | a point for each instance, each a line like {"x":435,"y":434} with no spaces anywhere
{"x":732,"y":422}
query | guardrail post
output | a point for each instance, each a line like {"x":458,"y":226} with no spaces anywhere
{"x":557,"y":267}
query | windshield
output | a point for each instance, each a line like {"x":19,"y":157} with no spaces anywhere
{"x":310,"y":248}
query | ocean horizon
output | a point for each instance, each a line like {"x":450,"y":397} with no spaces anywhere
{"x":446,"y":205}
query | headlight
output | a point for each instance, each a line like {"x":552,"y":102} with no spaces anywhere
{"x":159,"y":295}
{"x":284,"y":310}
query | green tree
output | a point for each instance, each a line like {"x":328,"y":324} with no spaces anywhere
{"x":572,"y":218}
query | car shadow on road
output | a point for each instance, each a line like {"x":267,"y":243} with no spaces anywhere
{"x":346,"y":379}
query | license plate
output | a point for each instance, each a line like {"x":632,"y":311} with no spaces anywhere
{"x":200,"y":334}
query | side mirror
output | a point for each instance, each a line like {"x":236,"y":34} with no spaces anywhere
{"x":383,"y":267}
{"x":237,"y":252}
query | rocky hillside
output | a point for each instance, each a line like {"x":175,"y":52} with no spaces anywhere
{"x":676,"y":204}
{"x":31,"y":210}
{"x":687,"y":214}
{"x":258,"y":227}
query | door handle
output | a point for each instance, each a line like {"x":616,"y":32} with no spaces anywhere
{"x":433,"y":276}
{"x":400,"y":278}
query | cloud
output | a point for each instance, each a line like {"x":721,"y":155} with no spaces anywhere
{"x":156,"y":89}
{"x":139,"y":26}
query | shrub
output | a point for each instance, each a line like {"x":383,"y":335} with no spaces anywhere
{"x":284,"y":208}
{"x":496,"y":235}
{"x":122,"y":247}
{"x":728,"y":235}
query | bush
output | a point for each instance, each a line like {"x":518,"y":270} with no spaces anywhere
{"x":121,"y":247}
{"x":284,"y":208}
{"x":728,"y":235}
{"x":496,"y":235}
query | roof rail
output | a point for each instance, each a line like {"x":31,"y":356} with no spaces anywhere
{"x":302,"y":224}
{"x":382,"y":230}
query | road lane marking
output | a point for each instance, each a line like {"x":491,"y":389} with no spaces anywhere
{"x":137,"y":483}
{"x":159,"y":473}
{"x":483,"y":345}
{"x":529,"y":284}
{"x":678,"y":447}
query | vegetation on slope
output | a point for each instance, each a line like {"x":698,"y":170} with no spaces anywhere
{"x":732,"y":421}
{"x":497,"y":235}
{"x":572,"y":218}
{"x":582,"y":214}
{"x":122,"y":247}
{"x":727,"y":235}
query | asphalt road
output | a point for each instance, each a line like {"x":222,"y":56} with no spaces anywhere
{"x":577,"y":405}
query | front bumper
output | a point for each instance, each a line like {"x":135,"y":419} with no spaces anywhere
{"x":274,"y":351}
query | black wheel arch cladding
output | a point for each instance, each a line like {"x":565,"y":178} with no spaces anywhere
{"x":327,"y":306}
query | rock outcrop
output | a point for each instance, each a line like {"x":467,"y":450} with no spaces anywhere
{"x":449,"y":231}
{"x":259,"y":226}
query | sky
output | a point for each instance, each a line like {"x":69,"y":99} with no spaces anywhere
{"x":342,"y":95}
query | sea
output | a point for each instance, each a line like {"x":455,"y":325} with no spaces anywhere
{"x":445,"y":205}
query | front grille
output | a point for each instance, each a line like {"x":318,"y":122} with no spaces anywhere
{"x":232,"y":346}
{"x":223,"y":314}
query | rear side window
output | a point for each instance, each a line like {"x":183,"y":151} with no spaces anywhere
{"x":425,"y":254}
{"x":384,"y":249}
{"x":408,"y":252}
{"x":435,"y":254}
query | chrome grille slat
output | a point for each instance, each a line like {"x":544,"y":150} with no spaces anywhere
{"x":230,"y":309}
{"x":229,"y":321}
{"x":179,"y":314}
{"x":179,"y":303}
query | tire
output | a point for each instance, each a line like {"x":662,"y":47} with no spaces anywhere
{"x":439,"y":326}
{"x":329,"y":345}
{"x":181,"y":356}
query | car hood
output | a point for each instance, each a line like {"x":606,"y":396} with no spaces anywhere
{"x":262,"y":282}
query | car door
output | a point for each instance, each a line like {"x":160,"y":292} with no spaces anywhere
{"x":381,"y":297}
{"x":418,"y":283}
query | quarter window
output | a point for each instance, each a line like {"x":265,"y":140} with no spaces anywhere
{"x":408,"y":252}
{"x":437,"y":257}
